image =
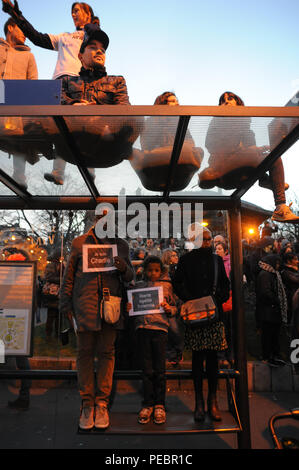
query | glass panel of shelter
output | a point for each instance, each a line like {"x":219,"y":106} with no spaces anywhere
{"x":135,"y":152}
{"x":51,"y":247}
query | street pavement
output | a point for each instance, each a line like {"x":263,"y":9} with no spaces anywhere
{"x":52,"y":422}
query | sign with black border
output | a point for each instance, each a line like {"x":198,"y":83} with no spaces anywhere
{"x":98,"y":258}
{"x":145,"y":301}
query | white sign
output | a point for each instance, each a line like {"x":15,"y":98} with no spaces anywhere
{"x":98,"y":258}
{"x":145,"y":301}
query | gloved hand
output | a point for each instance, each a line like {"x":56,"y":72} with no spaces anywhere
{"x":12,"y":10}
{"x":120,"y":264}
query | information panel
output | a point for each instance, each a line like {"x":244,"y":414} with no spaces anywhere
{"x":145,"y":301}
{"x":17,"y":294}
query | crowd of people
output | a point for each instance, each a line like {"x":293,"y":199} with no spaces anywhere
{"x":184,"y":269}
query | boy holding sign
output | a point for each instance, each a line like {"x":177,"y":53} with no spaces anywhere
{"x":152,"y":304}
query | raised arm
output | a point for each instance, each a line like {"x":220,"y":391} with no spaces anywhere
{"x":37,"y":38}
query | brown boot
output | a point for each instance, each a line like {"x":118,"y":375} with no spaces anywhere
{"x":213,"y":409}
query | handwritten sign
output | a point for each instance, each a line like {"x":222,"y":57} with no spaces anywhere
{"x":97,"y":258}
{"x":145,"y":301}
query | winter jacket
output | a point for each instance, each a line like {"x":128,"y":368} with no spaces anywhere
{"x":81,"y":292}
{"x":295,"y":318}
{"x":17,"y":63}
{"x":225,"y":136}
{"x":268,"y":307}
{"x":161,"y":132}
{"x":194,"y":277}
{"x":157,"y":321}
{"x":94,"y":85}
{"x":52,"y":275}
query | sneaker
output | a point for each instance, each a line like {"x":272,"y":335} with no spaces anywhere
{"x":283,"y":213}
{"x":102,"y":416}
{"x":86,"y":417}
{"x":53,"y":179}
{"x":159,"y":414}
{"x":145,"y":414}
{"x":19,"y":404}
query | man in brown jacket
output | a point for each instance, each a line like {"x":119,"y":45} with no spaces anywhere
{"x":16,"y":63}
{"x":82,"y":292}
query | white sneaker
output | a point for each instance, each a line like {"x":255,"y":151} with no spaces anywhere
{"x":86,"y":417}
{"x":101,"y":416}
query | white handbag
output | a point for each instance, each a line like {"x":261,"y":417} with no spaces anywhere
{"x":111,"y":309}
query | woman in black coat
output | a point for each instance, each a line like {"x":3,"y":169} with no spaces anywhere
{"x":271,"y":308}
{"x":194,"y":278}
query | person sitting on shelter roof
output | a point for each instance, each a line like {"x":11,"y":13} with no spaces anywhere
{"x":236,"y":149}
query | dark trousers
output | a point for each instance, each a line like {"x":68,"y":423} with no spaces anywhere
{"x":152,"y":350}
{"x":52,"y":321}
{"x":277,"y":181}
{"x":22,"y":363}
{"x":211,"y":358}
{"x":270,"y":340}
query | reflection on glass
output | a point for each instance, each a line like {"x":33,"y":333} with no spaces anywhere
{"x":151,"y":163}
{"x":102,"y":141}
{"x":279,"y":128}
{"x":234,"y":154}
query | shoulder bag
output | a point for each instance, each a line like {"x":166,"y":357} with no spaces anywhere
{"x":203,"y":311}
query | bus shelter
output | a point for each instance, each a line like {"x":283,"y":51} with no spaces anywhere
{"x":150,"y":154}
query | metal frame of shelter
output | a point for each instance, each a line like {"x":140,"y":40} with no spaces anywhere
{"x":232,"y":203}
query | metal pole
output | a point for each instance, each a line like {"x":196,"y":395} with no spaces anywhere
{"x":239,"y":330}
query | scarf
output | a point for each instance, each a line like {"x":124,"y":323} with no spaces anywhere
{"x":281,"y":291}
{"x":93,"y":74}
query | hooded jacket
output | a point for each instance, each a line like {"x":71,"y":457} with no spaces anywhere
{"x":16,"y":63}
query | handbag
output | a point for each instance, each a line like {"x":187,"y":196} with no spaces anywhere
{"x":50,"y":289}
{"x":203,"y":311}
{"x":111,"y":309}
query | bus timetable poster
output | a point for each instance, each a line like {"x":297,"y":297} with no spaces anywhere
{"x":17,"y":290}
